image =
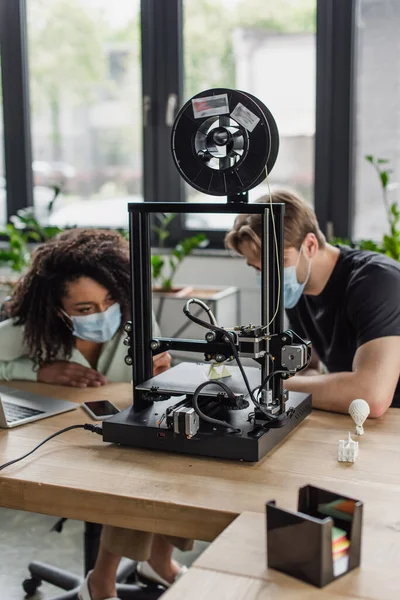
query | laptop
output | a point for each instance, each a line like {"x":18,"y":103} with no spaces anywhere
{"x":18,"y":407}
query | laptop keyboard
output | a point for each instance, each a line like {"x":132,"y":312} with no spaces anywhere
{"x":15,"y":412}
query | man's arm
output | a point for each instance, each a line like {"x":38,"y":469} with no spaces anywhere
{"x":376,"y":371}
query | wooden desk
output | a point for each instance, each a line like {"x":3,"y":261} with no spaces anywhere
{"x":77,"y":475}
{"x":234,"y":568}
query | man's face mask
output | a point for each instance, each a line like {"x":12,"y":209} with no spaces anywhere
{"x":97,"y":327}
{"x":292,"y":288}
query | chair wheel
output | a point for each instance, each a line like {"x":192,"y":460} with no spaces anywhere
{"x":31,"y":585}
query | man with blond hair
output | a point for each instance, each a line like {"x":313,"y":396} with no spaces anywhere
{"x":345,"y":301}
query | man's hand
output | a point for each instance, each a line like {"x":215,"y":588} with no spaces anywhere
{"x":62,"y":372}
{"x":161,"y":362}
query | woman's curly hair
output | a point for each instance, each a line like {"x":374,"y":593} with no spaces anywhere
{"x":102,"y":255}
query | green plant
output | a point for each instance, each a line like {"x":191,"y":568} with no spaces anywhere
{"x":26,"y":221}
{"x":162,"y":229}
{"x":390,"y":244}
{"x":164,"y":268}
{"x":16,"y":254}
{"x":23,"y":229}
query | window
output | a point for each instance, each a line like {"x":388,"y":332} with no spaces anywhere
{"x":83,"y":111}
{"x":3,"y":193}
{"x":378,"y":112}
{"x":266,"y":48}
{"x":85,"y":74}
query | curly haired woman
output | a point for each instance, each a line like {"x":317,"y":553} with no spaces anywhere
{"x":65,"y":327}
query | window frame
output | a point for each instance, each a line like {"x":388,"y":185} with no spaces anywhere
{"x":16,"y":108}
{"x":335,"y":117}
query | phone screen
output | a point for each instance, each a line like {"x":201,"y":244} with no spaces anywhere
{"x":102,"y":408}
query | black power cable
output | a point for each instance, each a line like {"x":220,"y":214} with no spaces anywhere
{"x":88,"y":426}
{"x":199,"y":321}
{"x":268,"y":378}
{"x":203,"y":306}
{"x":205,"y":417}
{"x":228,"y":337}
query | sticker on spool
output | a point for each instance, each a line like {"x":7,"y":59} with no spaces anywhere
{"x":210,"y":106}
{"x":245,"y":117}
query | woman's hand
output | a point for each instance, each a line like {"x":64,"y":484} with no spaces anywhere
{"x":62,"y":372}
{"x":161,"y":362}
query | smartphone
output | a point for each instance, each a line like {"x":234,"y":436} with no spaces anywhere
{"x":100,"y":409}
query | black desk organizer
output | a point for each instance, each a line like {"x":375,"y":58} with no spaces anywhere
{"x":300,"y":543}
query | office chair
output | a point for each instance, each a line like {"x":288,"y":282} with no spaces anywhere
{"x":70,"y":583}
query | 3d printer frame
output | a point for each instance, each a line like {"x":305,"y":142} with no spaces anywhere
{"x":162,"y":415}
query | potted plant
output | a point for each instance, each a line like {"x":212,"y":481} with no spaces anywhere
{"x":169,"y":297}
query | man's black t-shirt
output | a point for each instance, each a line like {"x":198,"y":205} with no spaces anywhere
{"x":360,"y":303}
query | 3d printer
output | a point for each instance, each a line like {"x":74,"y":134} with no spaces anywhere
{"x":224,"y":143}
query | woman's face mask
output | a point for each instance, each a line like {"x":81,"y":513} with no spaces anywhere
{"x":97,"y":327}
{"x":292,"y":288}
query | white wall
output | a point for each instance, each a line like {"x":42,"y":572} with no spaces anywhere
{"x":225,"y":271}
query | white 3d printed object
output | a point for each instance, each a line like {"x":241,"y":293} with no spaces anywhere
{"x":348,"y":450}
{"x":359,"y":411}
{"x":218,"y":372}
